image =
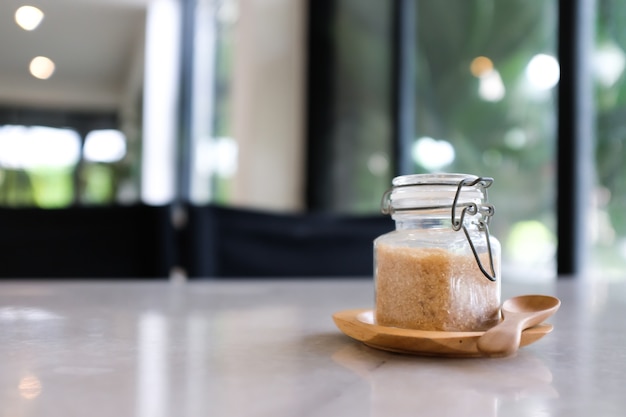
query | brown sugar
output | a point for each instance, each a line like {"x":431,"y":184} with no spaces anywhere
{"x":433,"y":289}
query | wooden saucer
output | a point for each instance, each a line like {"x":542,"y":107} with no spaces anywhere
{"x":359,"y":324}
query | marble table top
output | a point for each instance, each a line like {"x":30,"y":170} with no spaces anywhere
{"x":270,"y":348}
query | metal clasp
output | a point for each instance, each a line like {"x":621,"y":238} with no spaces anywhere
{"x":486,"y":211}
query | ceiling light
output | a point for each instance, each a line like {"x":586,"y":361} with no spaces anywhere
{"x":28,"y":17}
{"x":41,"y":67}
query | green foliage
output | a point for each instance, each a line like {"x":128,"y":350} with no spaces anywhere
{"x":451,"y":34}
{"x":98,"y":184}
{"x":50,"y":187}
{"x":610,"y":108}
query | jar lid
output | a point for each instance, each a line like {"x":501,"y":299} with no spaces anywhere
{"x":423,"y":191}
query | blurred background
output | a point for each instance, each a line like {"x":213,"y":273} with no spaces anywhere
{"x":291,"y":106}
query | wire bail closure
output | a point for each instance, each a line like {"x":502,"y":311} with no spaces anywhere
{"x":486,"y":211}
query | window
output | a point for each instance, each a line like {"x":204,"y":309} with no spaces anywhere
{"x":245,"y":85}
{"x":104,"y":171}
{"x":36,"y":165}
{"x":485,"y":103}
{"x":213,"y":159}
{"x":49,"y":166}
{"x":608,"y":219}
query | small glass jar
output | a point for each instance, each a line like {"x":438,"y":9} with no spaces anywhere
{"x":440,"y":269}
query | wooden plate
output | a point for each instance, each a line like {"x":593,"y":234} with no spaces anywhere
{"x":359,"y":324}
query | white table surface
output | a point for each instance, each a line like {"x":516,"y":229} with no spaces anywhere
{"x":270,"y":348}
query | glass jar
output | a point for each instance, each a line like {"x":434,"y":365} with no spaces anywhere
{"x":440,"y":269}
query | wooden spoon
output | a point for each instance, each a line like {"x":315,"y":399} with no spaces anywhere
{"x":519,"y":314}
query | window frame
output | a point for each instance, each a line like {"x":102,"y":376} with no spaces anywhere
{"x":575,"y":135}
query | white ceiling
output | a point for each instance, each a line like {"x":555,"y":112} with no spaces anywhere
{"x":97,"y":46}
